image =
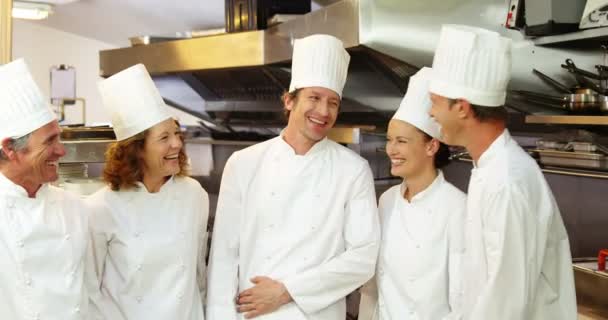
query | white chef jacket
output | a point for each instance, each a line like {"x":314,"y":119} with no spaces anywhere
{"x":309,"y":221}
{"x":149,"y":251}
{"x":517,"y":263}
{"x":418,"y":272}
{"x":43,"y":241}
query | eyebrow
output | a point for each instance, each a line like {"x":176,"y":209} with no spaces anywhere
{"x":51,"y":138}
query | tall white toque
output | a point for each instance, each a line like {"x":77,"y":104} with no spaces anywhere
{"x":133,"y":101}
{"x":23,"y":108}
{"x":472,"y":64}
{"x":319,"y":61}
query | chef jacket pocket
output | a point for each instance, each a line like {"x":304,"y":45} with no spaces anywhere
{"x":492,"y":248}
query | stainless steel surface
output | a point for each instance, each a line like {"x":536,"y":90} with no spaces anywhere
{"x":404,"y":30}
{"x":558,"y":171}
{"x":590,"y":34}
{"x":213,"y":52}
{"x":85,"y":151}
{"x":565,"y":119}
{"x":234,"y":50}
{"x":591,"y":289}
{"x":573,"y":159}
{"x":6,"y":31}
{"x":146,"y":40}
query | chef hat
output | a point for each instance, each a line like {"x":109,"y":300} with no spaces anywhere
{"x":416,"y":104}
{"x":23,"y":108}
{"x":473,"y":64}
{"x":319,"y":61}
{"x":133,"y":101}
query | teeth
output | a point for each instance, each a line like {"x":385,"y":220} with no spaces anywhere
{"x":53,"y":163}
{"x":316,"y":121}
{"x":172,"y":157}
{"x":395,"y":161}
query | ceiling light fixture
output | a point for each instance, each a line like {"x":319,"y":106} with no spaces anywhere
{"x":31,"y":10}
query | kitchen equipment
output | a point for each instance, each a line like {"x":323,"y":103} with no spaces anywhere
{"x":245,"y":15}
{"x":87,"y":133}
{"x":578,"y":100}
{"x":549,"y":17}
{"x":591,"y":287}
{"x":515,"y":15}
{"x":575,"y":103}
{"x":550,"y":145}
{"x":601,"y":260}
{"x":594,"y":14}
{"x":582,"y":75}
{"x":553,"y":83}
{"x":586,"y":160}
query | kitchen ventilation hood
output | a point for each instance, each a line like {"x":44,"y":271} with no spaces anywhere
{"x":240,"y":76}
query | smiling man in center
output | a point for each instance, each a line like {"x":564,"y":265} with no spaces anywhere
{"x":296,"y":226}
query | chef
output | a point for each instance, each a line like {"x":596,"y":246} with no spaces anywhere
{"x":43,"y":230}
{"x":517,"y":263}
{"x":416,"y":276}
{"x":149,"y":224}
{"x":296,"y":226}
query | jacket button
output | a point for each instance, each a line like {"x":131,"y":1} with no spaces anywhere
{"x":67,"y":236}
{"x":139,"y":267}
{"x":136,"y":234}
{"x":20,"y":244}
{"x":138,"y":299}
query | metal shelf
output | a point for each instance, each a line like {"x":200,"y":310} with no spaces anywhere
{"x":562,"y":171}
{"x":580,"y":120}
{"x":588,"y":34}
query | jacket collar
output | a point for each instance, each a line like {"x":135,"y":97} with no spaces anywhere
{"x":141,"y":188}
{"x":426,"y":193}
{"x":284,"y":147}
{"x":495,"y":148}
{"x":8,"y":187}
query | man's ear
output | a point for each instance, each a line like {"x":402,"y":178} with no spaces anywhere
{"x":7,"y":149}
{"x":288,"y":101}
{"x":464,"y":109}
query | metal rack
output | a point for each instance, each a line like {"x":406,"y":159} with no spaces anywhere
{"x":596,"y":34}
{"x":561,"y":119}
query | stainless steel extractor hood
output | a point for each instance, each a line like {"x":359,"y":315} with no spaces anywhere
{"x":242,"y":75}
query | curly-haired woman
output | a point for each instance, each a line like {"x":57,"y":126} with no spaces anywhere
{"x":148,"y":226}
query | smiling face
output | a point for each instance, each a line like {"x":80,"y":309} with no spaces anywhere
{"x":313,"y":113}
{"x":409,"y":149}
{"x":38,"y":163}
{"x":161,"y":150}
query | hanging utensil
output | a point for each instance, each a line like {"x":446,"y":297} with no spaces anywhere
{"x":582,"y":76}
{"x":553,"y":83}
